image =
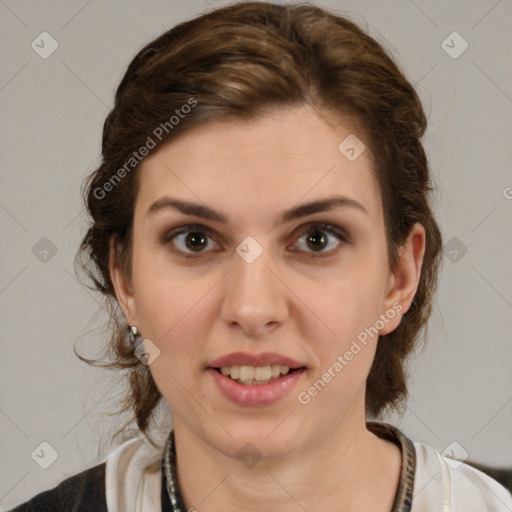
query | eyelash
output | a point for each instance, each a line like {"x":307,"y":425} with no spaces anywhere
{"x":310,"y":228}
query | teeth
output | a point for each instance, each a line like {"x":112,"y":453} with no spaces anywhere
{"x":246,"y":372}
{"x":262,"y":373}
{"x":235,"y":372}
{"x":276,"y":370}
{"x":254,"y":374}
{"x":252,"y":382}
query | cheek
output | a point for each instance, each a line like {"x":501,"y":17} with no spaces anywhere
{"x":351,"y":304}
{"x":179,"y":323}
{"x":350,"y":308}
{"x":163,"y":293}
{"x":172,"y":310}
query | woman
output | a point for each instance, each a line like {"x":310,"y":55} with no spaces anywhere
{"x":261,"y":218}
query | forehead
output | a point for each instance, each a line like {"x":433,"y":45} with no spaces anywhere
{"x":262,"y":165}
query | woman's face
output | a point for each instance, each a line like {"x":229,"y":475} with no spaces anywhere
{"x":262,"y":287}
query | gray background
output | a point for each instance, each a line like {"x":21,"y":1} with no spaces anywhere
{"x":52,"y":115}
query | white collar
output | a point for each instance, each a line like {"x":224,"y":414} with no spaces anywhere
{"x":445,"y":485}
{"x":133,"y":477}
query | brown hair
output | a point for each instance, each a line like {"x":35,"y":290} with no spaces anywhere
{"x":241,"y":61}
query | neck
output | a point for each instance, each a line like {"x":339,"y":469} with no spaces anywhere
{"x":334,"y":473}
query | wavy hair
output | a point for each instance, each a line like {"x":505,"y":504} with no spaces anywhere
{"x":241,"y":61}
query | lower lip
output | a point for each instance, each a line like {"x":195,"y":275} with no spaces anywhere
{"x":258,"y":394}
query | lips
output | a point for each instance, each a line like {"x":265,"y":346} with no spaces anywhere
{"x":246,"y":359}
{"x":255,"y":379}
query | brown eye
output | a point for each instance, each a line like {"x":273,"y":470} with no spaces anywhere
{"x":322,"y":239}
{"x":189,"y":241}
{"x":316,"y":240}
{"x":195,"y":241}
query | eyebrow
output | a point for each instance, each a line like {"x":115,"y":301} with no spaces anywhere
{"x":297,"y":212}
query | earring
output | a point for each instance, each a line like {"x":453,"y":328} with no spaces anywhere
{"x":133,"y":332}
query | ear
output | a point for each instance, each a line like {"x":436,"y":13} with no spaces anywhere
{"x":403,"y":280}
{"x":122,"y":285}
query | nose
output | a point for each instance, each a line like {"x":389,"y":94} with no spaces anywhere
{"x":255,"y":299}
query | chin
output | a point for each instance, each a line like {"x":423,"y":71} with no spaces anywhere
{"x":267,"y":438}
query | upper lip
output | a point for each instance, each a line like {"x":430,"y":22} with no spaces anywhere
{"x":247,"y":359}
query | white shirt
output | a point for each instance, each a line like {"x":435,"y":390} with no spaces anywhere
{"x":134,"y":481}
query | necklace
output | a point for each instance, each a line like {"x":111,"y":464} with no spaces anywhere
{"x":169,"y":463}
{"x":403,"y":498}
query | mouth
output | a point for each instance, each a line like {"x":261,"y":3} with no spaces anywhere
{"x":256,"y":375}
{"x":255,"y":379}
{"x":251,"y":386}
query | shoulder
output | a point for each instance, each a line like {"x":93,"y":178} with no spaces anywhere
{"x":441,"y":481}
{"x":82,"y":492}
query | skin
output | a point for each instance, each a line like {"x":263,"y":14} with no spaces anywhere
{"x":318,"y":456}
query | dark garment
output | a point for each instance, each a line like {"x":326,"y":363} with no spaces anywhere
{"x":84,"y":492}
